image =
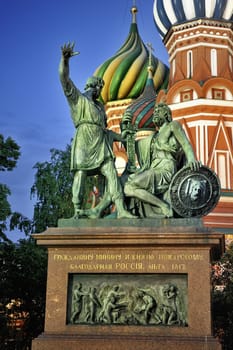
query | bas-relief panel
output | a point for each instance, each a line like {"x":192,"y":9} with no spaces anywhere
{"x":128,"y":299}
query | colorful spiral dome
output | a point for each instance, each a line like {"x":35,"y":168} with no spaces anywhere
{"x":172,"y":12}
{"x":125,"y":73}
{"x":140,"y":111}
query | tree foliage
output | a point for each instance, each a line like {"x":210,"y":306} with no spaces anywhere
{"x":22,"y":267}
{"x":53,"y":190}
{"x":23,"y":286}
{"x":9,"y":154}
{"x":222,"y":281}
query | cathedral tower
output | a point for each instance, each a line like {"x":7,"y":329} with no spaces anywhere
{"x":198,"y":36}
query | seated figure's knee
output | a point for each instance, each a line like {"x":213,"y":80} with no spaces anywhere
{"x":128,"y":189}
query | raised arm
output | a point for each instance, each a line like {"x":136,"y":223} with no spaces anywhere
{"x":64,"y":71}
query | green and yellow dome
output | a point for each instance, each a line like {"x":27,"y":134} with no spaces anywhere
{"x":125,"y":73}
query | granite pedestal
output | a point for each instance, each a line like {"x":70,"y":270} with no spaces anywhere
{"x":138,"y":252}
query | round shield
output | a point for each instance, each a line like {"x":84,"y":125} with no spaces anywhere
{"x":194,"y":193}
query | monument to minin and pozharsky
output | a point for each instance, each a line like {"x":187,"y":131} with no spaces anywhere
{"x":138,"y":278}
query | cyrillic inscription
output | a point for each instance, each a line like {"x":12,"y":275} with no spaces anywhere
{"x":111,"y":261}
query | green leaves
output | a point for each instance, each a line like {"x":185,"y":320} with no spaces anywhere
{"x":53,"y":190}
{"x":23,"y":279}
{"x":222,"y":280}
{"x":9,"y":153}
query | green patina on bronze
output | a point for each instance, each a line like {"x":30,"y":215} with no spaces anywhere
{"x":128,"y":299}
{"x":142,"y":192}
{"x":159,"y":156}
{"x":92,"y":144}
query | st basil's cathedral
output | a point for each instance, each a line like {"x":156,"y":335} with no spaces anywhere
{"x":198,"y":86}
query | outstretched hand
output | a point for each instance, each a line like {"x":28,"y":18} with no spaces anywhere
{"x":195,"y":165}
{"x":68,"y":50}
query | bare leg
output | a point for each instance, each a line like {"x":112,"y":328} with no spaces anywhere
{"x":78,"y":191}
{"x":115,"y":189}
{"x":97,"y":211}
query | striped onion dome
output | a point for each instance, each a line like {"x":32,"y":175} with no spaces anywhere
{"x":141,"y":110}
{"x":125,"y":73}
{"x":172,"y":12}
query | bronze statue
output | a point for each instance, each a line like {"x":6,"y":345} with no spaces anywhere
{"x":152,"y":191}
{"x":91,"y":149}
{"x":159,"y":156}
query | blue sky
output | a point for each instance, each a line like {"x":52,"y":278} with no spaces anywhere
{"x":33,"y":109}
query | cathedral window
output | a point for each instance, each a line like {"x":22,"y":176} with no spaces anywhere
{"x":230,"y":63}
{"x":173,"y":67}
{"x":218,"y":94}
{"x":222,"y":162}
{"x":213,"y":61}
{"x":186,"y":95}
{"x":189,"y":64}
